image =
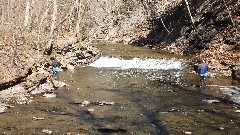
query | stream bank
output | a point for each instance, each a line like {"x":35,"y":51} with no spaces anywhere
{"x":121,"y":99}
{"x":213,"y":103}
{"x":35,"y":77}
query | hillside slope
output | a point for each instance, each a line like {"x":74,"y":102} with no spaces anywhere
{"x":208,"y":29}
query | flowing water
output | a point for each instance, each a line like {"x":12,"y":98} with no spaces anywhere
{"x":132,"y":91}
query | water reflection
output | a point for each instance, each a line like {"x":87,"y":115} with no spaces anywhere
{"x":158,"y":101}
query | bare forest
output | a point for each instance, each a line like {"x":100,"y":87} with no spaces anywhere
{"x":32,"y":31}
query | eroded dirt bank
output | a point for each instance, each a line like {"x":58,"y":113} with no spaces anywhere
{"x":27,"y":73}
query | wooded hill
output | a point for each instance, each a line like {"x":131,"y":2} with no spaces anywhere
{"x":33,"y":30}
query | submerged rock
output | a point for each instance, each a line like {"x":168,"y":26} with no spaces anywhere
{"x":105,"y":103}
{"x":50,"y":95}
{"x":237,"y":111}
{"x":35,"y":118}
{"x":2,"y":109}
{"x":232,"y":92}
{"x":90,"y":110}
{"x":211,"y":101}
{"x":47,"y":131}
{"x":84,"y":103}
{"x":187,"y":133}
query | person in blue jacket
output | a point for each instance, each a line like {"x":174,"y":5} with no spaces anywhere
{"x":56,"y":68}
{"x":203,"y":72}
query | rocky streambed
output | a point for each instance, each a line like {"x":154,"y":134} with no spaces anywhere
{"x":122,"y":92}
{"x":113,"y":97}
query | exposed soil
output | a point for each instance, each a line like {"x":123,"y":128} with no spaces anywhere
{"x":26,"y":70}
{"x":210,"y":32}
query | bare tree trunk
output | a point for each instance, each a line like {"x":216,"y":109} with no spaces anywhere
{"x":78,"y":32}
{"x":66,"y":17}
{"x":189,"y":11}
{"x":229,"y":12}
{"x":3,"y":12}
{"x":8,"y":9}
{"x":27,"y":13}
{"x":164,"y":26}
{"x":54,"y":18}
{"x":78,"y":5}
{"x":44,"y":14}
{"x":40,"y":28}
{"x":72,"y":18}
{"x":43,"y":17}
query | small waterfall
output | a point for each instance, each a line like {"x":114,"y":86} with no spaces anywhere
{"x":137,"y":63}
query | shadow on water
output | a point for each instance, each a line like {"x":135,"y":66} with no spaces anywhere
{"x":205,"y":96}
{"x":145,"y":102}
{"x":150,"y":115}
{"x":121,"y":118}
{"x":153,"y":102}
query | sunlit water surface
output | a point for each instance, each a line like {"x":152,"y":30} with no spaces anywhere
{"x":152,"y":93}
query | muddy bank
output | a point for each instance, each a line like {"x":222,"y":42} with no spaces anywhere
{"x":38,"y":77}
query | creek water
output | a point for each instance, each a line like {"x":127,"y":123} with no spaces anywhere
{"x":130,"y":90}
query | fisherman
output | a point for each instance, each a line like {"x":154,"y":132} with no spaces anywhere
{"x":56,"y":68}
{"x":203,"y":72}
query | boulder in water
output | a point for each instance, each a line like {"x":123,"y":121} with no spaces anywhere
{"x":2,"y":109}
{"x":50,"y":95}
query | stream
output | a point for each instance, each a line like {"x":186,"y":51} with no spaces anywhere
{"x":131,"y":91}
